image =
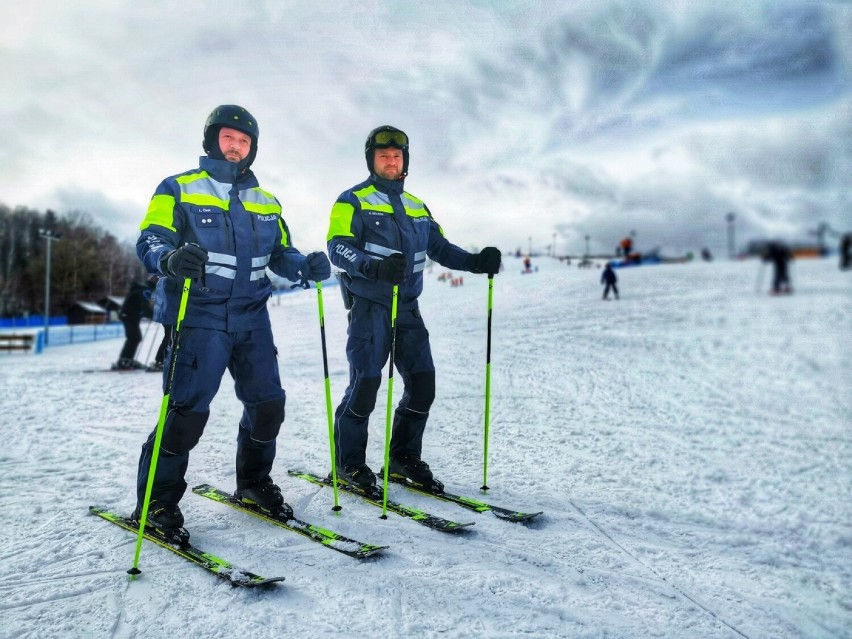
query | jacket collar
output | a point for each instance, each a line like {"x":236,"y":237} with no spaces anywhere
{"x":387,"y":186}
{"x":227,"y":172}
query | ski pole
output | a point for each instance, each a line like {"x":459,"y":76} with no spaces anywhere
{"x":164,"y":406}
{"x":390,"y":405}
{"x":153,"y":341}
{"x":142,"y":341}
{"x":327,"y":396}
{"x":487,"y":383}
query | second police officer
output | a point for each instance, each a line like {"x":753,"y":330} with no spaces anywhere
{"x":381,"y":236}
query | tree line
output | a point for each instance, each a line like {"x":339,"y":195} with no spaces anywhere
{"x":87,"y":263}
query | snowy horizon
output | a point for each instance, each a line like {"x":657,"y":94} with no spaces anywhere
{"x":689,"y":445}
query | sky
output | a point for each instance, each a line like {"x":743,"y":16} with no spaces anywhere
{"x":678,"y":501}
{"x":532,"y":124}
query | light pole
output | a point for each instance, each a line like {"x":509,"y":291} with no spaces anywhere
{"x":530,"y":247}
{"x":49,"y":236}
{"x":730,"y":217}
{"x":554,"y":245}
{"x":588,"y":237}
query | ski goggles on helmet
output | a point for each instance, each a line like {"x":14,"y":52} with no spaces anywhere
{"x":388,"y":138}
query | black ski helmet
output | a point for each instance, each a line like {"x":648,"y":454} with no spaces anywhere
{"x":235,"y":117}
{"x":383,"y":137}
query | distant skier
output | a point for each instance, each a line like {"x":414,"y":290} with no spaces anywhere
{"x":136,"y":305}
{"x":609,"y":278}
{"x":527,"y":264}
{"x":780,"y":255}
{"x":846,"y":252}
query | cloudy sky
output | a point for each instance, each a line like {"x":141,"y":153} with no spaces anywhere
{"x":530,"y":121}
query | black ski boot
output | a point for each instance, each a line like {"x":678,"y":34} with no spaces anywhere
{"x":267,"y":496}
{"x":359,"y":475}
{"x":167,"y":519}
{"x":416,"y":471}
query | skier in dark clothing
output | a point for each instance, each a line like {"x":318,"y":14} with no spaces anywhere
{"x":846,"y":252}
{"x":780,"y":255}
{"x":609,"y":278}
{"x":160,"y":355}
{"x":136,"y":305}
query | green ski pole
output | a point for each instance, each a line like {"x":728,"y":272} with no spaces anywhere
{"x":164,"y":408}
{"x":390,"y":405}
{"x":488,"y":383}
{"x":327,"y":396}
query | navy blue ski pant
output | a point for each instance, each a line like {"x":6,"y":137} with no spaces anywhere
{"x":203,"y":357}
{"x":367,"y":350}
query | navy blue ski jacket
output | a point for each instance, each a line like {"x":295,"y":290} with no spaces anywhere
{"x":377,"y":218}
{"x":241,"y":228}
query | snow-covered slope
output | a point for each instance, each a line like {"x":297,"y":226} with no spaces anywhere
{"x":689,"y":445}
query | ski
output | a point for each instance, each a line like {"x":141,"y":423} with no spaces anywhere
{"x":430,"y":521}
{"x":218,"y":566}
{"x":331,"y":539}
{"x":470,"y":503}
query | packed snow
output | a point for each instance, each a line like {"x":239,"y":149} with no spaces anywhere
{"x":689,"y":445}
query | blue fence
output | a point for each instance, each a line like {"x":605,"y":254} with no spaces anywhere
{"x":31,"y":321}
{"x":79,"y":333}
{"x":75,"y":334}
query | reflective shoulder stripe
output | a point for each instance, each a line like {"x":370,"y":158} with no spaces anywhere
{"x":256,"y":200}
{"x":341,"y":221}
{"x":372,"y":199}
{"x":192,"y":177}
{"x":161,"y":211}
{"x":202,"y":190}
{"x":414,"y":207}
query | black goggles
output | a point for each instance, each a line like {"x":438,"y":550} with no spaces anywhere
{"x":387,"y":138}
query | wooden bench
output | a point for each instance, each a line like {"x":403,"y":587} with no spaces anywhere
{"x":16,"y":341}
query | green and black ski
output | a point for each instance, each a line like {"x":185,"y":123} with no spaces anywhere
{"x":470,"y":503}
{"x":218,"y":566}
{"x":375,"y":497}
{"x":331,"y":539}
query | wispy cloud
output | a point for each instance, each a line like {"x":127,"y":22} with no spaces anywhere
{"x":526,"y":118}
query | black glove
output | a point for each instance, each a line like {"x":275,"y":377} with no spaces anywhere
{"x":390,"y":269}
{"x":487,"y":261}
{"x":317,"y":267}
{"x":187,"y":261}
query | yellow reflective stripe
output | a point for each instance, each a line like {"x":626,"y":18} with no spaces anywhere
{"x":192,"y":177}
{"x":207,"y":193}
{"x":341,"y":221}
{"x":285,"y":239}
{"x":414,"y":207}
{"x":256,"y":200}
{"x":262,"y":209}
{"x":204,"y":199}
{"x":161,"y":211}
{"x":372,"y":199}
